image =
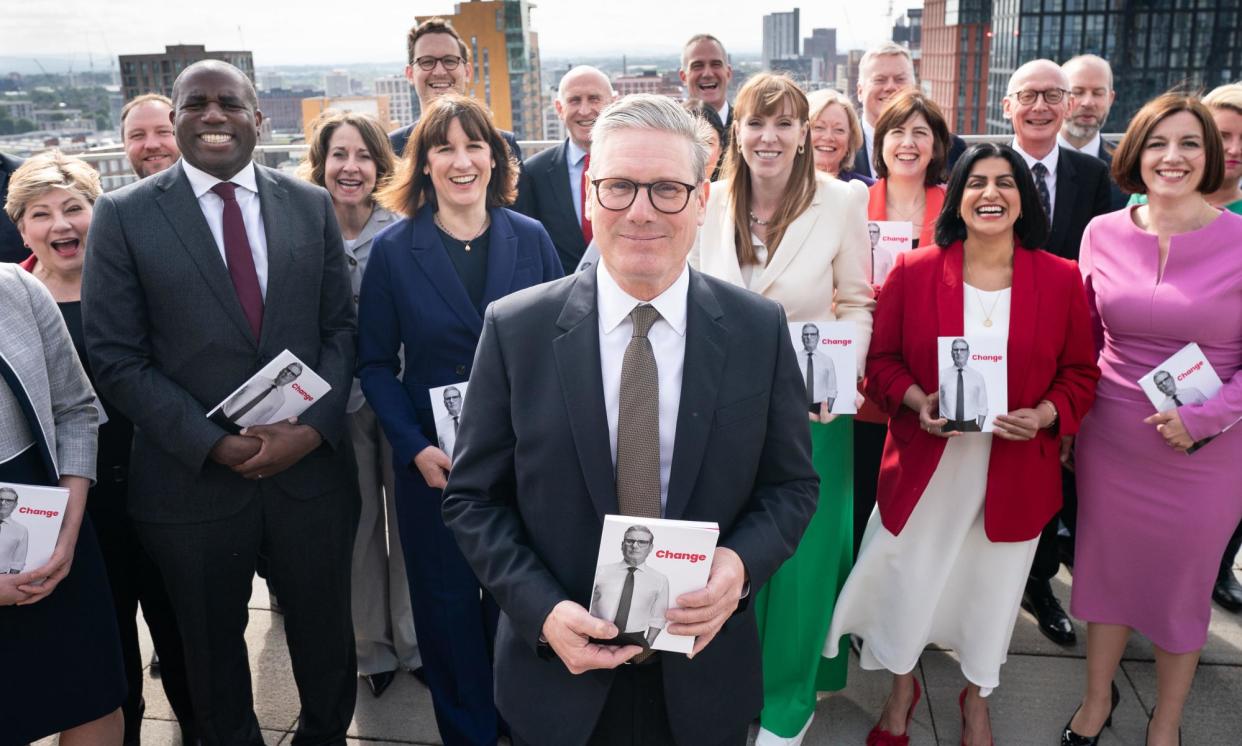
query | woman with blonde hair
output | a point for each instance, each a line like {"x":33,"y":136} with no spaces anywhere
{"x":778,"y":227}
{"x":836,"y":135}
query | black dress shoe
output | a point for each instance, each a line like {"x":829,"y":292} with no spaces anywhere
{"x":379,"y":682}
{"x":1228,"y":591}
{"x":1070,"y":738}
{"x":1053,"y":621}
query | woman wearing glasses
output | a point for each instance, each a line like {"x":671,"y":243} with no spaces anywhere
{"x":427,"y":283}
{"x":776,"y":226}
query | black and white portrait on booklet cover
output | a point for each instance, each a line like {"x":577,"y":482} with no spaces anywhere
{"x":446,"y":404}
{"x":828,"y":360}
{"x":973,"y":384}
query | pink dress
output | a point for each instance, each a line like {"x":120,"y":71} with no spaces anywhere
{"x":1153,"y":523}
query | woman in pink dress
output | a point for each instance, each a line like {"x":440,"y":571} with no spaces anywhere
{"x":1153,"y":519}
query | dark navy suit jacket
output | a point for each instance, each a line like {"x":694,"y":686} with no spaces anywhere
{"x":543,"y":194}
{"x":411,"y":295}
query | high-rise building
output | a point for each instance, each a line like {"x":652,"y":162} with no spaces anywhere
{"x":282,"y":108}
{"x":553,"y":127}
{"x":376,"y":106}
{"x":646,"y":81}
{"x":847,"y":74}
{"x":822,"y":44}
{"x":780,"y":36}
{"x":269,"y":81}
{"x":336,"y":83}
{"x":505,"y":53}
{"x":155,"y":73}
{"x":1152,"y":45}
{"x":957,"y":36}
{"x":400,"y":98}
{"x":908,"y":32}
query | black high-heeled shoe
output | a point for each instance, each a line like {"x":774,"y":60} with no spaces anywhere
{"x":1070,"y":738}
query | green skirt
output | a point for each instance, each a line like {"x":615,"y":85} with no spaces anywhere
{"x":794,"y":609}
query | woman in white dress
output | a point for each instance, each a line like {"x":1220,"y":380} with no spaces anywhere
{"x":958,"y":515}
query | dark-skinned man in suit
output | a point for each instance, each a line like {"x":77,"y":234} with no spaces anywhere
{"x":644,"y":388}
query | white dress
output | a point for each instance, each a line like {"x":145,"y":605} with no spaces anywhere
{"x":941,"y":580}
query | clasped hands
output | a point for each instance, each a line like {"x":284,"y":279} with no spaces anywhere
{"x":1018,"y":425}
{"x":569,"y":628}
{"x":266,"y":450}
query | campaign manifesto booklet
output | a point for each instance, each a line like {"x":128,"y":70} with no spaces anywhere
{"x":30,"y":519}
{"x":828,"y":360}
{"x":644,"y":565}
{"x":974,"y":383}
{"x":1185,"y":378}
{"x":888,"y":239}
{"x":446,"y":404}
{"x":284,"y":388}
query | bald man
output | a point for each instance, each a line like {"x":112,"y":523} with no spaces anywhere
{"x":1091,"y":97}
{"x":551,"y":186}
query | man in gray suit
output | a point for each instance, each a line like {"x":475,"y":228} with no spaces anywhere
{"x":195,"y":278}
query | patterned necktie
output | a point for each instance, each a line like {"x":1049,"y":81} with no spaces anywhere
{"x":638,"y":422}
{"x":456,"y":424}
{"x":586,"y":222}
{"x":239,"y":259}
{"x":1041,"y":185}
{"x":960,"y":414}
{"x":236,"y":416}
{"x":1177,"y":401}
{"x":627,"y":599}
{"x":810,"y":377}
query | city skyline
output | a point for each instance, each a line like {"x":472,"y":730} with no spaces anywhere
{"x":101,"y":32}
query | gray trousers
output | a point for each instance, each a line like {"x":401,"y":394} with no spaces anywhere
{"x":383,"y":621}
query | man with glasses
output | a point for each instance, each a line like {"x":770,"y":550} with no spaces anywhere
{"x":14,"y":538}
{"x":642,"y":388}
{"x":1073,"y":188}
{"x":439,"y":63}
{"x":630,"y":593}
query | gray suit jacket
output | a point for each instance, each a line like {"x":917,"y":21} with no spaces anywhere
{"x":37,"y":347}
{"x":168,"y":339}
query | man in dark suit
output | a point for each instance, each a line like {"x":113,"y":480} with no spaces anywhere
{"x":706,"y":73}
{"x":674,"y":395}
{"x":11,"y":247}
{"x":439,"y":63}
{"x":195,"y":278}
{"x":553,"y":182}
{"x":883,"y":72}
{"x":1073,"y":188}
{"x":1091,"y":96}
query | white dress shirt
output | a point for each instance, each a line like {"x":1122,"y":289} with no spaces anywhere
{"x":974,"y":390}
{"x":723,"y":113}
{"x":648,"y":604}
{"x":1092,"y":148}
{"x":1050,"y":163}
{"x":668,"y":341}
{"x":14,"y":539}
{"x":868,"y":145}
{"x":212,"y":206}
{"x":575,"y":162}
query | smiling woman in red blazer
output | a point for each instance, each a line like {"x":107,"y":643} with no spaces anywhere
{"x":946,"y":554}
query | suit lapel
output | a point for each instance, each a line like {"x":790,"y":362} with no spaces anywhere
{"x":1023,"y":308}
{"x":578,"y":368}
{"x":501,"y":258}
{"x":795,"y":238}
{"x":704,"y":364}
{"x":1067,"y":195}
{"x":949,"y":301}
{"x":179,"y":205}
{"x":431,"y":256}
{"x":273,"y":204}
{"x":558,"y":177}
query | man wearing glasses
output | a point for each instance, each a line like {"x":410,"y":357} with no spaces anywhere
{"x":439,"y":63}
{"x":630,"y":593}
{"x":641,"y":388}
{"x":1073,"y":188}
{"x":14,"y":537}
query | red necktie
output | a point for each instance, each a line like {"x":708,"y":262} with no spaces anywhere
{"x":239,"y":259}
{"x":586,"y":222}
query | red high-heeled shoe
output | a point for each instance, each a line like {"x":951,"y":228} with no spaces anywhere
{"x":961,"y":705}
{"x":880,"y":737}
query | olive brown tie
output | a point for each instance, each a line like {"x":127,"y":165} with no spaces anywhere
{"x":638,"y":422}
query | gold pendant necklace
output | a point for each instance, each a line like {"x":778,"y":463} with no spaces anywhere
{"x":987,"y":315}
{"x":466,"y":241}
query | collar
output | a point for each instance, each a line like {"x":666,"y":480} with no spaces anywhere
{"x":868,"y":130}
{"x":614,"y":304}
{"x":1049,"y":161}
{"x":202,"y":182}
{"x":724,"y":113}
{"x":1092,"y":148}
{"x":573,"y":153}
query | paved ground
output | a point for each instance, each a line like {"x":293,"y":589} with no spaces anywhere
{"x":1040,"y":687}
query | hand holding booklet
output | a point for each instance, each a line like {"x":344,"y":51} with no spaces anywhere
{"x":284,"y":388}
{"x":644,"y":565}
{"x":1185,"y":378}
{"x":30,"y":519}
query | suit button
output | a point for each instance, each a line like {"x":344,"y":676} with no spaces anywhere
{"x":353,"y":262}
{"x":461,"y":370}
{"x":355,"y":300}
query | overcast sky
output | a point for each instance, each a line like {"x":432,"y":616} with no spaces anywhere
{"x":319,"y":32}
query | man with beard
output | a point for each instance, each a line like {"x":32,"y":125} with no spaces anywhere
{"x":147,"y":130}
{"x":1091,"y":97}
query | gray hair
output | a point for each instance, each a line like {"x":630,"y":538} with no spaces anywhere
{"x":647,"y":111}
{"x":698,"y":38}
{"x":887,"y":49}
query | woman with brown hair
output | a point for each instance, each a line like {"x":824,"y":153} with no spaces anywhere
{"x":1152,"y":520}
{"x":350,"y":156}
{"x":429,"y":279}
{"x":778,"y":227}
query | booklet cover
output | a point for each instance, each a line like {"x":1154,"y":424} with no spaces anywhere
{"x":30,"y":519}
{"x":888,"y":239}
{"x":446,"y":404}
{"x":1185,"y":378}
{"x":644,"y":565}
{"x":284,"y":388}
{"x":828,"y":358}
{"x":974,"y":383}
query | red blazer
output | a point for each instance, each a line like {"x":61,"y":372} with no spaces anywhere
{"x":877,"y":208}
{"x":1051,"y":356}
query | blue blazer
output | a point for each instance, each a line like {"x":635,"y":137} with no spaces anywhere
{"x":411,"y":296}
